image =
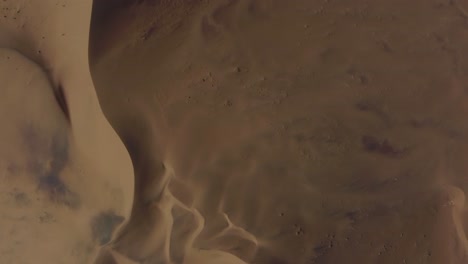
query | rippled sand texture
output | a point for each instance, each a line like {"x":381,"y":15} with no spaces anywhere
{"x":233,"y":131}
{"x":66,"y":180}
{"x":289,"y":131}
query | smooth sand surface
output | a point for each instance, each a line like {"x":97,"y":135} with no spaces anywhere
{"x":66,"y":180}
{"x":234,"y":131}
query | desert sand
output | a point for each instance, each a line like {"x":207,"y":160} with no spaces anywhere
{"x":233,"y":131}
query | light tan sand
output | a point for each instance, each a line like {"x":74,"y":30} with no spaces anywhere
{"x":65,"y":184}
{"x":243,"y":131}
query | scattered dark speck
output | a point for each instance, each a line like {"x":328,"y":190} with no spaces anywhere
{"x":321,"y":251}
{"x":21,"y":198}
{"x":353,"y":216}
{"x":363,"y":80}
{"x":58,"y":192}
{"x":300,"y":231}
{"x":103,"y":225}
{"x":375,"y":109}
{"x":372,"y":144}
{"x":421,"y":123}
{"x":228,"y":103}
{"x":321,"y":248}
{"x":46,"y":217}
{"x":364,"y":106}
{"x":385,"y":46}
{"x":149,"y":32}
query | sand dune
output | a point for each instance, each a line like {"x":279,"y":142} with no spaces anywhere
{"x":233,"y":131}
{"x":301,"y":132}
{"x":66,"y":177}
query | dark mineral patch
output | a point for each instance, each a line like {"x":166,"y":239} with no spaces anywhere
{"x":103,"y":225}
{"x":20,"y":198}
{"x":373,"y":108}
{"x":383,"y":147}
{"x":59,"y":152}
{"x":50,"y":181}
{"x":49,"y":157}
{"x":58,"y":192}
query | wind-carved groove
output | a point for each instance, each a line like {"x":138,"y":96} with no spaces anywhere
{"x":62,"y":101}
{"x":25,"y":47}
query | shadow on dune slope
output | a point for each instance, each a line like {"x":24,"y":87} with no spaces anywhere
{"x":287,"y":131}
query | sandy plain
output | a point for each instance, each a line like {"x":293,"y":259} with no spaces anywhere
{"x":233,"y":131}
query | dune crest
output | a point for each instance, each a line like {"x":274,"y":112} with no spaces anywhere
{"x":59,"y":173}
{"x":233,"y":131}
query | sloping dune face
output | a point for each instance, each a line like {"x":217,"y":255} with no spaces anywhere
{"x":289,"y":131}
{"x":66,"y":179}
{"x":241,"y":131}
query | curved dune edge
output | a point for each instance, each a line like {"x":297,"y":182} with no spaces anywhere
{"x":67,"y":179}
{"x":309,"y":175}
